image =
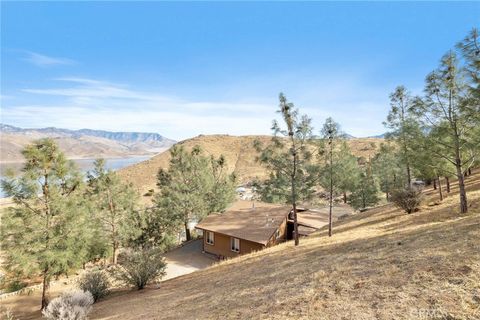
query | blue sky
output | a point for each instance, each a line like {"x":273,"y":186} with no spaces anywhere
{"x":183,"y":69}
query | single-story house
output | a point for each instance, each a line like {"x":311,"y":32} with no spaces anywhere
{"x":251,"y":226}
{"x":246,"y":227}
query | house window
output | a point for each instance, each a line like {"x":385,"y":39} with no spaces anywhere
{"x":235,"y":244}
{"x":210,"y":237}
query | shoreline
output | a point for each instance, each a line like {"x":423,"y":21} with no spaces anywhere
{"x":91,"y":158}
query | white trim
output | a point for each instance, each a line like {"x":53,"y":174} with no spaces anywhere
{"x":232,"y":244}
{"x":207,"y":238}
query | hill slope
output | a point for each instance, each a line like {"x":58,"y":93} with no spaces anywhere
{"x":84,"y":143}
{"x":380,"y":264}
{"x":238,"y":151}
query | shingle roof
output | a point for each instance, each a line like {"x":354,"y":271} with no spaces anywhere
{"x":244,"y":222}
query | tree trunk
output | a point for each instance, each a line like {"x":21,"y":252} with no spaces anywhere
{"x":364,"y":200}
{"x":344,"y":197}
{"x":46,"y":287}
{"x":440,"y":189}
{"x":294,"y":204}
{"x":294,"y":190}
{"x":114,"y":245}
{"x":434,"y":184}
{"x":463,"y":194}
{"x":114,"y":252}
{"x":330,"y":218}
{"x":409,"y":175}
{"x":461,"y":187}
{"x":447,"y":181}
{"x":295,"y":224}
{"x":187,"y":232}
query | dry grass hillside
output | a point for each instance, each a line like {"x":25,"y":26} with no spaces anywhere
{"x":380,"y":264}
{"x":238,"y":151}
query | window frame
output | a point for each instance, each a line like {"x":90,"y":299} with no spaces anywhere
{"x":208,"y":238}
{"x":232,"y":244}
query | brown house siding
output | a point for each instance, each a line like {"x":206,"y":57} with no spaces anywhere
{"x":221,"y":245}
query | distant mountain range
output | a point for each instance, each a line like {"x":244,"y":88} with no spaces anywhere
{"x":349,"y":136}
{"x":84,"y":143}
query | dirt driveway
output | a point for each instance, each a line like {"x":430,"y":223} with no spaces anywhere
{"x":186,"y":259}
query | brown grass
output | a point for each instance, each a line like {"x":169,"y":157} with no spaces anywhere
{"x":380,"y":264}
{"x":238,"y":151}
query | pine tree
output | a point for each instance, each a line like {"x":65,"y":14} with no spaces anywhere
{"x":340,"y":170}
{"x":292,"y":174}
{"x":222,"y":191}
{"x":113,"y":201}
{"x":348,"y":171}
{"x":448,"y":109}
{"x":44,"y":234}
{"x":151,"y":228}
{"x":470,"y":50}
{"x":388,"y":169}
{"x":193,"y":186}
{"x":402,"y":120}
{"x":365,"y":194}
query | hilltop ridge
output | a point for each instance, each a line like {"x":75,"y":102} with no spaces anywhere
{"x":238,"y":151}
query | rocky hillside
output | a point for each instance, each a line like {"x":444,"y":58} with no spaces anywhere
{"x":238,"y":151}
{"x":84,"y":143}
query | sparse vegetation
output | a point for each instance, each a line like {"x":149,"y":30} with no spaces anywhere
{"x":381,"y":263}
{"x":75,"y":305}
{"x":366,"y":192}
{"x":7,"y":314}
{"x":96,"y":282}
{"x":408,"y":199}
{"x":138,"y":268}
{"x":339,"y":171}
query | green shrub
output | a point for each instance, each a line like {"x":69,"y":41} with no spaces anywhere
{"x":95,"y":282}
{"x":408,"y":199}
{"x":139,"y":267}
{"x":15,"y":285}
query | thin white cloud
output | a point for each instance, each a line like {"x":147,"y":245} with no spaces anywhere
{"x":41,"y":60}
{"x":89,"y":103}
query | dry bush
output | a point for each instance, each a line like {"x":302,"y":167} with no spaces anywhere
{"x":140,"y":267}
{"x":408,"y":199}
{"x":95,"y":282}
{"x":73,"y":305}
{"x":7,"y":314}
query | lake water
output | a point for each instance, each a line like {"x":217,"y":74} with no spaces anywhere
{"x":83,"y":164}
